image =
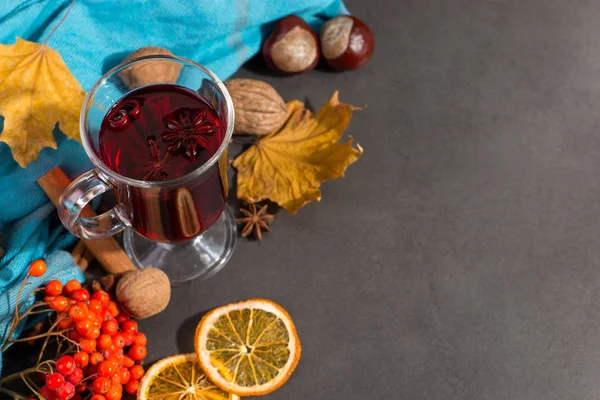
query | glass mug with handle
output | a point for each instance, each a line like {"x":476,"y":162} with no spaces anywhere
{"x":156,"y":130}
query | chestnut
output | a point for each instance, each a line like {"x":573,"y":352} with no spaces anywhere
{"x":292,"y":47}
{"x":346,"y":42}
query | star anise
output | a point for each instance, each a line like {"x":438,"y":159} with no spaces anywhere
{"x":185,"y":133}
{"x":255,"y":221}
{"x":157,"y":170}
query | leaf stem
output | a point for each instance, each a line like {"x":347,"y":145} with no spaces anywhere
{"x":59,"y":22}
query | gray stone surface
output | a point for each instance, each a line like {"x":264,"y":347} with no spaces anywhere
{"x":459,"y":257}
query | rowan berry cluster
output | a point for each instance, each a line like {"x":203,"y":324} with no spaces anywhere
{"x":108,"y":348}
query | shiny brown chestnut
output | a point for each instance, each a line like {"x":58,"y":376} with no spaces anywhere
{"x":346,"y":42}
{"x":292,"y":47}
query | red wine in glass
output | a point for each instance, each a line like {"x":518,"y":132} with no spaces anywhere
{"x":160,"y":133}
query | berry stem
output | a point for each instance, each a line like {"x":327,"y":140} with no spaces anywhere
{"x":36,"y":387}
{"x":26,"y":380}
{"x":47,"y":363}
{"x":16,"y":319}
{"x":58,"y":334}
{"x":39,"y":359}
{"x":14,"y":395}
{"x":69,"y":339}
{"x":59,"y":343}
{"x":47,"y":310}
{"x":29,"y":383}
{"x":16,"y":316}
{"x":17,"y":375}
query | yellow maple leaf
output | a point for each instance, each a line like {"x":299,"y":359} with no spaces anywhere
{"x":287,"y":166}
{"x":36,"y":91}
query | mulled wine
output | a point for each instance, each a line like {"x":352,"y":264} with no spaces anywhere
{"x":160,"y":133}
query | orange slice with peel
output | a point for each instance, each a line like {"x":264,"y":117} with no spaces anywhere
{"x":179,"y":377}
{"x":248,"y":348}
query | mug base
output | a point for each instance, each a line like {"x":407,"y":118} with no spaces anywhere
{"x":198,"y":258}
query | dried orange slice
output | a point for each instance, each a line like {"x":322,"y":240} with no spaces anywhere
{"x":248,"y":348}
{"x":179,"y":377}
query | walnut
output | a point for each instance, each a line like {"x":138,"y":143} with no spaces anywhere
{"x":147,"y":73}
{"x":259,"y":109}
{"x":144,"y":292}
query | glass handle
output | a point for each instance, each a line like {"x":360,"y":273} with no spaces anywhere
{"x":84,"y":223}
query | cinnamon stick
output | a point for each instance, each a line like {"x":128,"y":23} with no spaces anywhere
{"x":85,"y":260}
{"x":78,"y":250}
{"x":107,"y":251}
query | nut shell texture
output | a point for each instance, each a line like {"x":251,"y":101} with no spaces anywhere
{"x":346,"y":42}
{"x":259,"y":109}
{"x":149,"y":72}
{"x":144,"y":292}
{"x":292,"y":47}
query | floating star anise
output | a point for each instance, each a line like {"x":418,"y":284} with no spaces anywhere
{"x":157,"y":170}
{"x":255,"y":221}
{"x":185,"y":133}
